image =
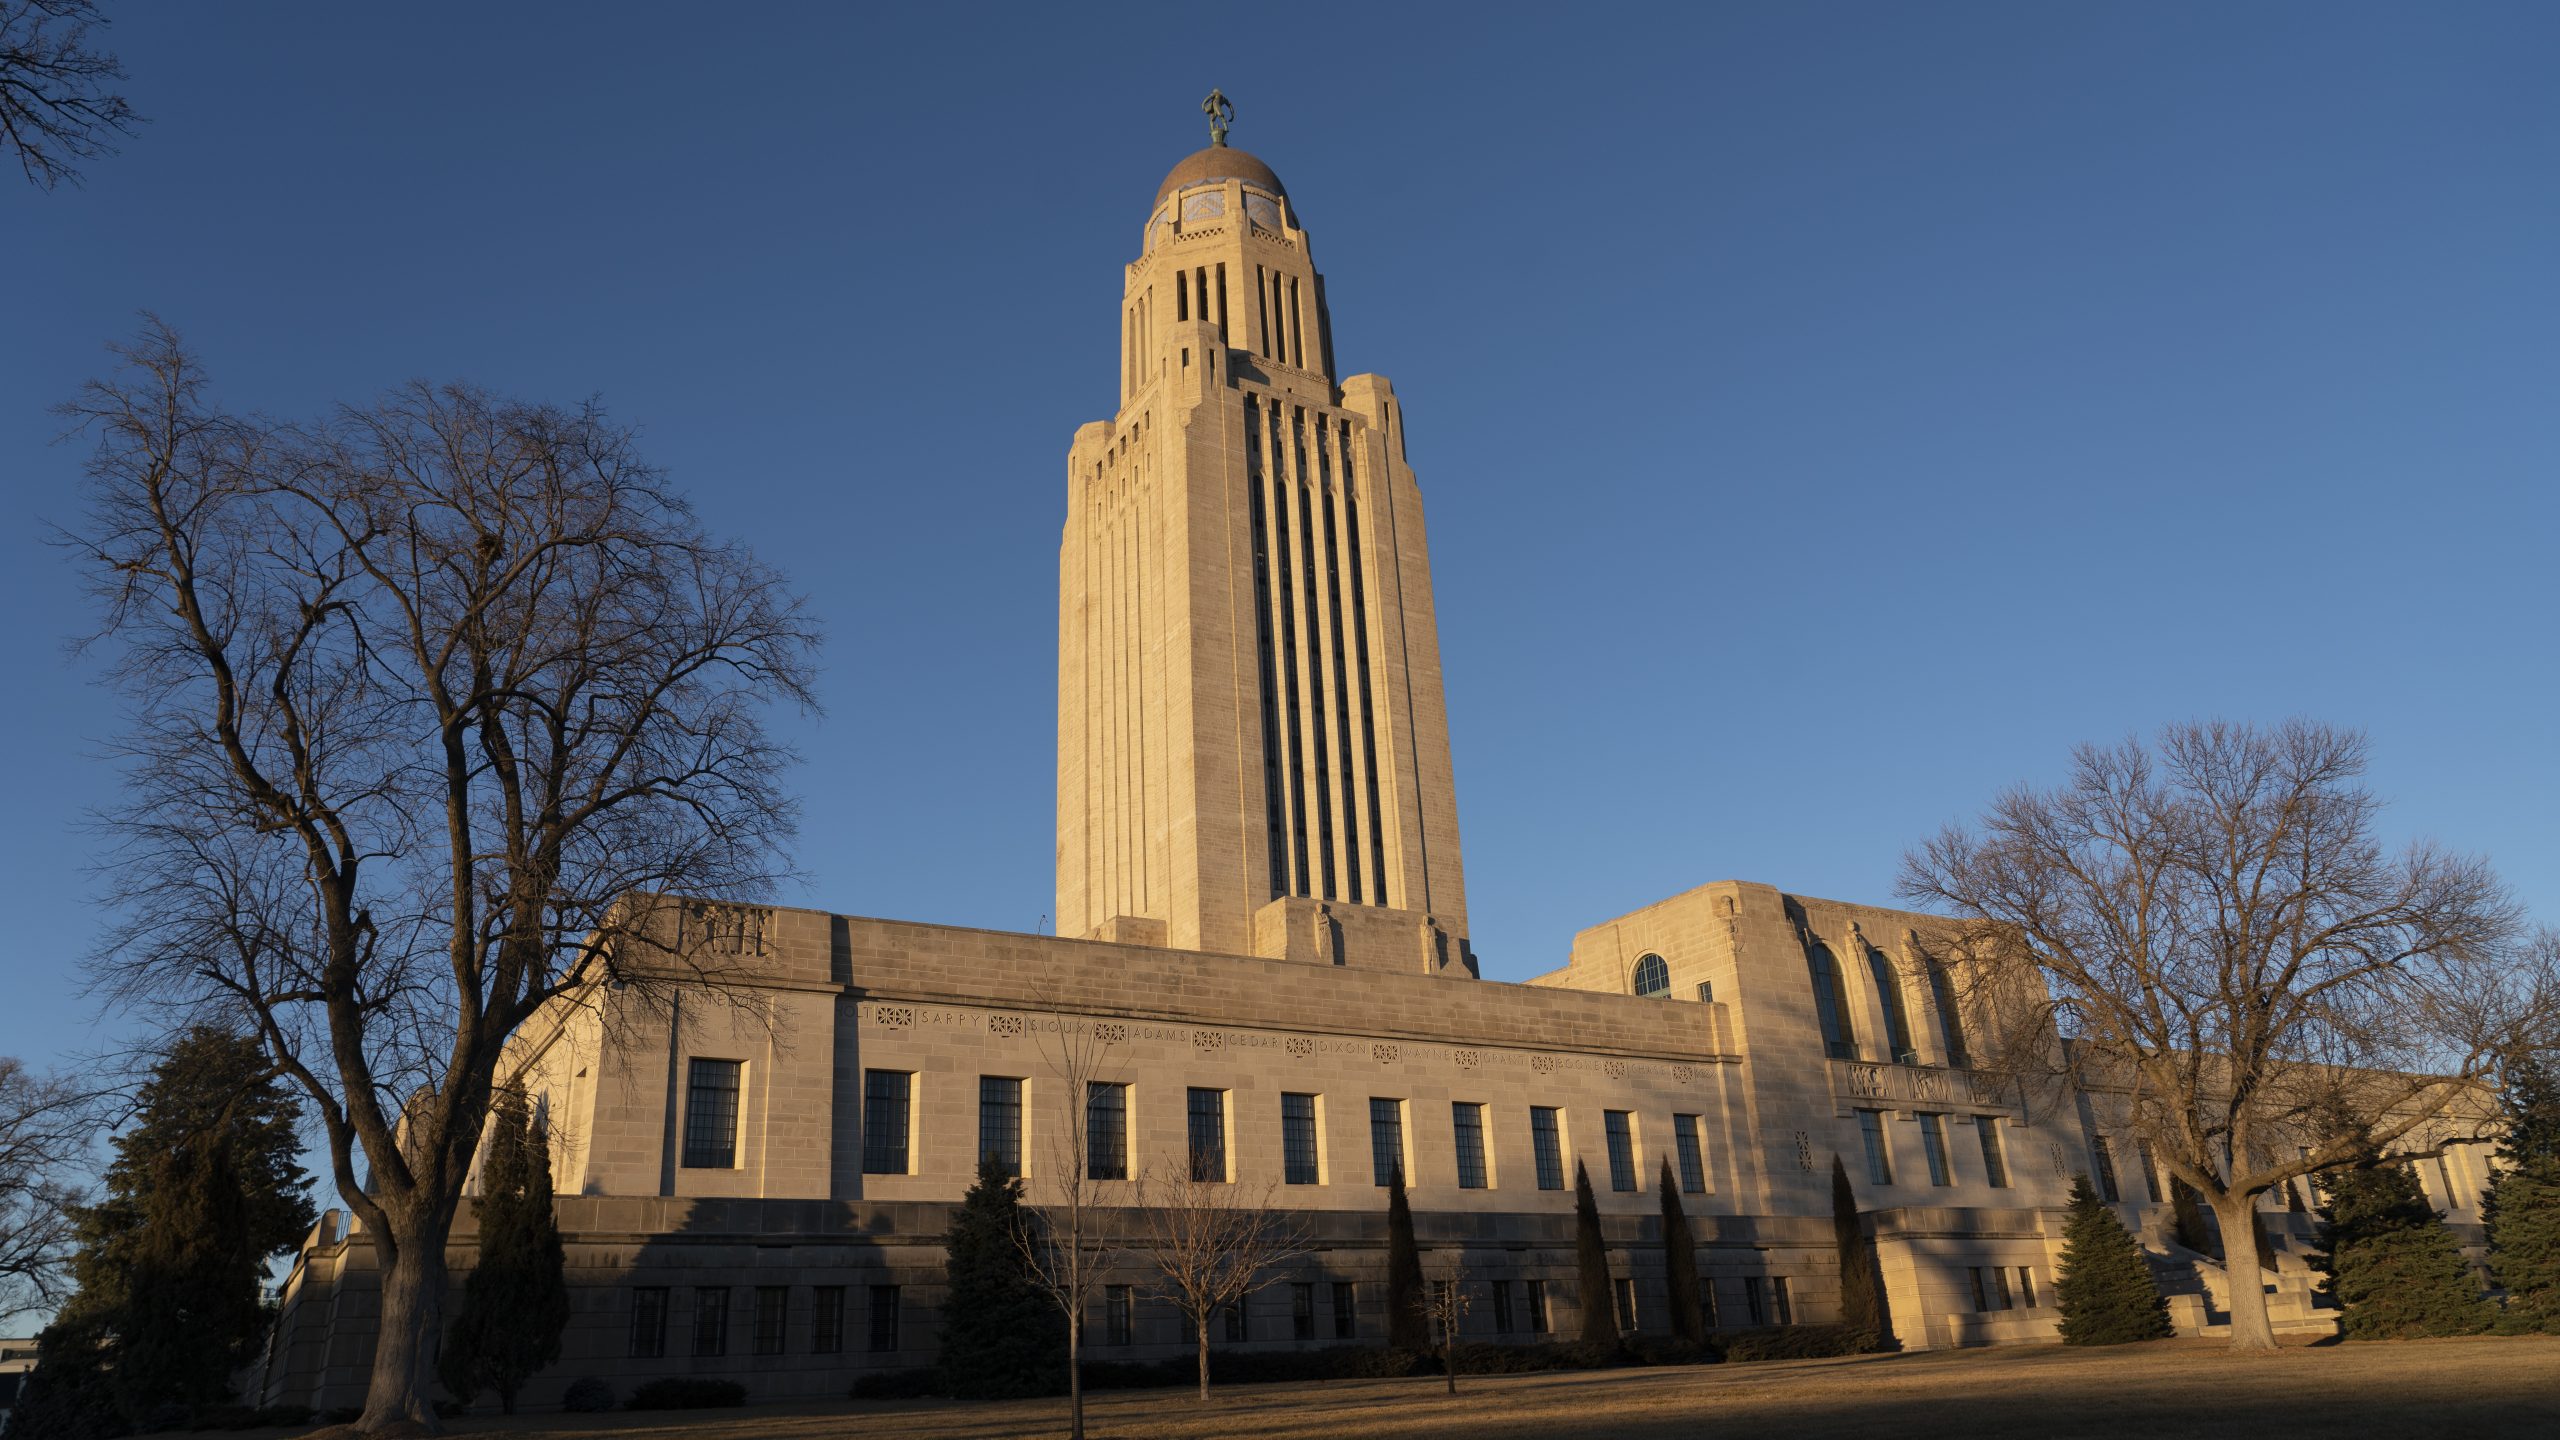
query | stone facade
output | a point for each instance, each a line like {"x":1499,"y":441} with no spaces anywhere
{"x":1263,"y":924}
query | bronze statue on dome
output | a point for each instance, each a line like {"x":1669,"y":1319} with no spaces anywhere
{"x":1221,"y":113}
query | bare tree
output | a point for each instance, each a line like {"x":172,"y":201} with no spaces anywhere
{"x":2208,"y":937}
{"x":45,"y":1128}
{"x":1213,"y":1243}
{"x":1446,"y":1303}
{"x":430,"y":706}
{"x":54,"y":104}
{"x":1065,"y":1245}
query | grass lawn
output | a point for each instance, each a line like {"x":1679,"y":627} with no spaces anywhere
{"x":2167,"y":1390}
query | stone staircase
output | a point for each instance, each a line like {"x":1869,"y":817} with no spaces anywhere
{"x":2198,"y":1288}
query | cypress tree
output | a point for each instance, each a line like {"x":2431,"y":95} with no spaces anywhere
{"x":1591,"y":1257}
{"x":2105,"y":1290}
{"x":1680,"y":1265}
{"x":516,"y":1302}
{"x":1408,"y":1327}
{"x":1002,"y":1338}
{"x":1861,"y":1289}
{"x":2522,"y":1209}
{"x":2392,"y":1266}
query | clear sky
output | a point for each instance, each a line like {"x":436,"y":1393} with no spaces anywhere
{"x":1827,"y":414}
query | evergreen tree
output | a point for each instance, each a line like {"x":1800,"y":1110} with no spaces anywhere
{"x":1861,"y":1288}
{"x":70,"y":1395}
{"x":1002,"y":1338}
{"x":2392,"y":1266}
{"x":2522,"y":1209}
{"x":1680,"y":1264}
{"x":2105,"y":1289}
{"x":516,"y":1302}
{"x":207,"y":1186}
{"x":1408,"y":1326}
{"x":1591,"y":1256}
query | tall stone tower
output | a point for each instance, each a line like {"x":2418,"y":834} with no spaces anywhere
{"x":1253,"y":751}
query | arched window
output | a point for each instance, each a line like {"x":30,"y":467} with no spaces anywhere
{"x":1897,"y":1025}
{"x":1942,"y":993}
{"x":1831,"y":1002}
{"x":1653,"y":978}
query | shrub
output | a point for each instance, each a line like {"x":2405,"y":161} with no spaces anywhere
{"x":587,"y":1395}
{"x":904,"y":1384}
{"x":686,"y":1392}
{"x":1796,"y":1342}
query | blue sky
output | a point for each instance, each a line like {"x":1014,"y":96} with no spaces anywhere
{"x":1828,"y":414}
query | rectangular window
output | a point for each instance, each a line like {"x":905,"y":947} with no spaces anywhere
{"x":1298,"y":1140}
{"x":2027,"y":1287}
{"x":1783,"y":1295}
{"x":884,"y":1319}
{"x":2106,"y":1166}
{"x":773,"y":1311}
{"x":1116,"y":1329}
{"x":649,"y":1322}
{"x":1546,"y":1138}
{"x":1626,"y":1288}
{"x":1707,"y":1300}
{"x":711,"y":1320}
{"x":1538,"y":1307}
{"x":1871,"y":1130}
{"x":826,"y":1329}
{"x":1346,"y":1311}
{"x":2150,"y":1169}
{"x":1386,"y":1139}
{"x":1933,"y":1143}
{"x":1981,"y":1288}
{"x":884,"y":1121}
{"x":1302,"y":1310}
{"x":1502,"y":1323}
{"x":1000,"y":1123}
{"x":1994,"y":1167}
{"x":1688,"y":1134}
{"x":1208,"y":1134}
{"x":1620,"y":1125}
{"x":711,"y":1114}
{"x":1106,"y":1130}
{"x":1235,"y":1323}
{"x":1467,"y":1119}
{"x":1999,"y":1288}
{"x":1755,"y":1298}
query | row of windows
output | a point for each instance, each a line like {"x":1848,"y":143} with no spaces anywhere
{"x":1933,"y":1148}
{"x":651,"y":1304}
{"x":1991,"y":1287}
{"x":1832,"y":1010}
{"x":888,"y":1098}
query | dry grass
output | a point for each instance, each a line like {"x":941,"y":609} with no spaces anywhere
{"x":2172,"y":1390}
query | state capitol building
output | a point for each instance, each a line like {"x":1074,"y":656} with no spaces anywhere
{"x":1262,"y":928}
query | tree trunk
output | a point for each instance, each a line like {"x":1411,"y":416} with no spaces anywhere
{"x":1449,"y":1365}
{"x":1204,"y":1357}
{"x":405,"y":1335}
{"x":1075,"y":1374}
{"x":2250,"y":1329}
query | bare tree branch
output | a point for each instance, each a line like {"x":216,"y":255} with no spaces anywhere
{"x":55,"y":107}
{"x":1213,"y":1243}
{"x":46,"y":1126}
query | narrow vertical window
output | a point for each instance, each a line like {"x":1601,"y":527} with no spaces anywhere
{"x":2150,"y":1169}
{"x":1538,"y":1307}
{"x":1999,"y":1287}
{"x":1000,"y":1123}
{"x":1942,"y":993}
{"x":1831,"y":1004}
{"x":1897,"y":1024}
{"x":1386,"y":1139}
{"x":1995,"y":1166}
{"x":1620,"y":1125}
{"x":1324,"y":498}
{"x":1222,"y":302}
{"x":884,"y":1318}
{"x":1625,"y":1286}
{"x":649,"y":1322}
{"x":1181,"y":299}
{"x":1281,"y":490}
{"x":1755,"y":1298}
{"x":1116,"y":1302}
{"x":1547,"y":1142}
{"x":1360,"y":647}
{"x":1689,"y":1135}
{"x":1302,"y":1310}
{"x":1272,"y":808}
{"x":1981,"y":1288}
{"x":826,"y":1320}
{"x":711,"y":1114}
{"x":1208,"y":1136}
{"x":2026,"y":1287}
{"x":1308,"y":496}
{"x":1237,"y":1326}
{"x":1879,"y":1163}
{"x":1502,"y":1320}
{"x":711,"y":1320}
{"x":1467,"y":1120}
{"x":1106,"y":1130}
{"x":773,"y":1312}
{"x":2106,"y":1168}
{"x":1933,"y":1143}
{"x":1297,"y":341}
{"x":1346,"y":1310}
{"x":1298,"y":1160}
{"x":884,"y":1121}
{"x":1782,"y":1294}
{"x":1200,"y":282}
{"x":1262,"y":303}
